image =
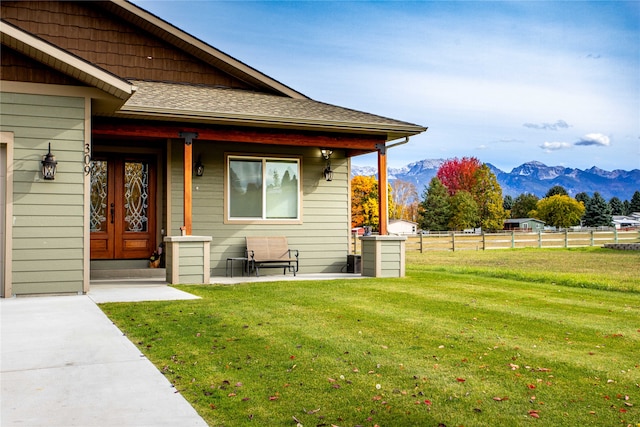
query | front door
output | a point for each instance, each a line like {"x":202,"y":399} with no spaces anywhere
{"x":122,"y":207}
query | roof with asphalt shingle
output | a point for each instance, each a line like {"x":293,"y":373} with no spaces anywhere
{"x":234,"y":106}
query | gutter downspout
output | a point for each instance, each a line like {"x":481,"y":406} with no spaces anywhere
{"x":383,"y":199}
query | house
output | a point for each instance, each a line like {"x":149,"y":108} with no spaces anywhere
{"x":402,"y":227}
{"x":155,"y":135}
{"x":524,"y":224}
{"x":621,"y":221}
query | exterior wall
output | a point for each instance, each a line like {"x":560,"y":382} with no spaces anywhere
{"x":48,"y":216}
{"x":323,"y":236}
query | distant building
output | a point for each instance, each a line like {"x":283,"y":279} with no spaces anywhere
{"x":621,"y":221}
{"x":402,"y":227}
{"x":524,"y":224}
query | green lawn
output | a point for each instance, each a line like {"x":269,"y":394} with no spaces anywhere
{"x":466,"y":339}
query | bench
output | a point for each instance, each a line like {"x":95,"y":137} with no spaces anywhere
{"x":271,"y":252}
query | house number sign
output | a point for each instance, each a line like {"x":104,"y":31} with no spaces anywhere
{"x":87,"y":158}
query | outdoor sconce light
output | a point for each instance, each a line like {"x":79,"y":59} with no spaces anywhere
{"x":327,"y":172}
{"x":199,"y":167}
{"x":49,"y":165}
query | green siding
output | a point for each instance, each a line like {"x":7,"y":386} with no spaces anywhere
{"x":323,"y":236}
{"x":48,"y":223}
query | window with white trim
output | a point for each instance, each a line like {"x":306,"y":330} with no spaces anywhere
{"x":263,"y":188}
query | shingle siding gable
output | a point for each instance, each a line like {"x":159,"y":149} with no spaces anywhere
{"x":111,"y":43}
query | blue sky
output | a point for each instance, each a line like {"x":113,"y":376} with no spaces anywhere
{"x":506,"y":82}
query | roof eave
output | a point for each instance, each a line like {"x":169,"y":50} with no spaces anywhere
{"x":391,"y":131}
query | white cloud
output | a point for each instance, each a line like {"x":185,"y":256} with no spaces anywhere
{"x":560,"y":124}
{"x":554,"y":146}
{"x":597,"y":139}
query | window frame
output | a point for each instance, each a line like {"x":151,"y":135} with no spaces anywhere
{"x":228,"y":219}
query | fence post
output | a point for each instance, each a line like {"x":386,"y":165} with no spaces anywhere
{"x":453,"y":241}
{"x":539,"y":238}
{"x":484,"y":241}
{"x":615,"y":235}
{"x":513,"y":239}
{"x":566,"y":237}
{"x":421,"y":243}
{"x":591,"y":238}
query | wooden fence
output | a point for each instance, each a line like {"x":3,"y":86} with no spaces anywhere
{"x":456,"y":241}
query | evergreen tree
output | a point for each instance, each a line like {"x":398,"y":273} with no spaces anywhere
{"x":583,"y":197}
{"x":597,"y":212}
{"x":435,"y":211}
{"x":465,"y":212}
{"x":616,"y":206}
{"x":634,"y":205}
{"x":523,"y":204}
{"x":556,"y":190}
{"x":507,"y":202}
{"x":627,"y":207}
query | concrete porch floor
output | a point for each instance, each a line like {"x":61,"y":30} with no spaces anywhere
{"x":157,"y":289}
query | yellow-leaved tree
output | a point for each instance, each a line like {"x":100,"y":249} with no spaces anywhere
{"x":364,"y":201}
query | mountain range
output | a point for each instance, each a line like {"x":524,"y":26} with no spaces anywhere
{"x":532,"y":177}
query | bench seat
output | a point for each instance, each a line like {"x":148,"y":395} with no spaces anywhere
{"x":271,"y":252}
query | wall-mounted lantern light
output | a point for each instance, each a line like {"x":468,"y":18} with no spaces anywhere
{"x":327,"y":172}
{"x":199,"y":167}
{"x":49,"y":165}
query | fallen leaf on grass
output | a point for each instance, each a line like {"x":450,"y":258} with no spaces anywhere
{"x":531,"y":386}
{"x":534,"y":413}
{"x":460,"y":380}
{"x":500,"y":399}
{"x":273,"y":397}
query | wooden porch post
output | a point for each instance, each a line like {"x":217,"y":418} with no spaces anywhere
{"x":383,"y":205}
{"x":188,"y":173}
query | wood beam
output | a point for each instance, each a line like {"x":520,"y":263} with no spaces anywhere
{"x":188,"y":175}
{"x":383,"y":199}
{"x":188,"y":197}
{"x":356,"y":143}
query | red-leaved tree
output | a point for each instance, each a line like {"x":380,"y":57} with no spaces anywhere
{"x":459,"y":174}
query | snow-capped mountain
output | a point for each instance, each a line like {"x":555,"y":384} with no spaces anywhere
{"x":531,"y":177}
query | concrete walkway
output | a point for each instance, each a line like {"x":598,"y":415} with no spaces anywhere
{"x":63,"y":363}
